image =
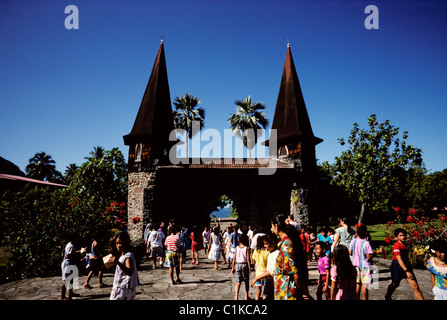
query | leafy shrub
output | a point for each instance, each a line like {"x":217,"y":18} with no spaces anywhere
{"x":421,"y":229}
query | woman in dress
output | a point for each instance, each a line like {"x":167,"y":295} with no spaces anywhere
{"x":214,"y":246}
{"x":195,"y":247}
{"x":343,"y":234}
{"x":291,"y":274}
{"x":125,"y":281}
{"x":438,"y":269}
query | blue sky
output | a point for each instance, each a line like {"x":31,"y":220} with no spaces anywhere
{"x":66,"y":91}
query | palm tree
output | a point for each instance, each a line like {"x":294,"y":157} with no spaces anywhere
{"x":70,"y":172}
{"x":43,"y":167}
{"x":98,"y":153}
{"x":248,"y":116}
{"x":187,"y":115}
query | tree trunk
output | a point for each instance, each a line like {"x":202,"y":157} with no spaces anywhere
{"x":362,"y":211}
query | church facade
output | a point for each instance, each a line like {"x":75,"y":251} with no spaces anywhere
{"x":159,"y":190}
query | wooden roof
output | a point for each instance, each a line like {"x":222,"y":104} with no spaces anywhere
{"x":291,"y":119}
{"x":154,"y":120}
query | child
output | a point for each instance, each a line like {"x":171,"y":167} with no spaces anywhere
{"x":241,"y":265}
{"x":306,"y":243}
{"x":343,"y":275}
{"x":206,"y":240}
{"x":330,"y":240}
{"x":215,"y":246}
{"x":195,"y":247}
{"x":95,"y":264}
{"x":234,"y":242}
{"x":313,"y":241}
{"x":361,"y":252}
{"x":271,"y":245}
{"x":401,"y":268}
{"x":260,"y":255}
{"x":324,"y":267}
{"x":182,"y":235}
{"x":174,"y":248}
{"x":125,"y":281}
{"x":68,"y":265}
{"x":438,"y":268}
{"x":321,"y":236}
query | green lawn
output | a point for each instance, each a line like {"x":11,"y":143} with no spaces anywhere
{"x":377,"y":232}
{"x":378,"y":235}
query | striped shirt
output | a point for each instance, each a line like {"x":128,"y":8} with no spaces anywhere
{"x":173,"y":243}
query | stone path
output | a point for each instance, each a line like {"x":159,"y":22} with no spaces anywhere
{"x":199,"y":283}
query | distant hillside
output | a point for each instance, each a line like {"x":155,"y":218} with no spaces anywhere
{"x":8,"y":167}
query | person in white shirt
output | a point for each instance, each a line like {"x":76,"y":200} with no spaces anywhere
{"x":293,"y":223}
{"x":271,"y":244}
{"x":155,"y":241}
{"x":206,"y":239}
{"x":125,"y":281}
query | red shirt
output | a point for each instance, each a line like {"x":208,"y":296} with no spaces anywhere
{"x":306,"y":242}
{"x":400,"y":249}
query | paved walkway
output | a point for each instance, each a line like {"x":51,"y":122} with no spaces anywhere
{"x":200,"y":282}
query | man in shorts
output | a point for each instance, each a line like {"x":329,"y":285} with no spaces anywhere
{"x":155,"y":240}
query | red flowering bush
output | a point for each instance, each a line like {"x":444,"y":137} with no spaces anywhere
{"x":389,"y":240}
{"x":117,"y":215}
{"x":421,"y":230}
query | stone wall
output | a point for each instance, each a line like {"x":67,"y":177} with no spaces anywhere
{"x":139,"y":203}
{"x":299,"y":207}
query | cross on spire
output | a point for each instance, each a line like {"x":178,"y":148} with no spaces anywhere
{"x":162,"y":37}
{"x":288,"y":42}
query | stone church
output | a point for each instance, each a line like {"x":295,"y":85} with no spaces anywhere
{"x":159,"y":190}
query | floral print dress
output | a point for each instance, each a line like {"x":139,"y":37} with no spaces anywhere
{"x":285,"y":287}
{"x":440,"y":274}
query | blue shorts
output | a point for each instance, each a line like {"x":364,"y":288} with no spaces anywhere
{"x":260,"y":283}
{"x":397,"y":273}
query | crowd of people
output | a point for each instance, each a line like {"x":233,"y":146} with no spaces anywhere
{"x":274,"y":262}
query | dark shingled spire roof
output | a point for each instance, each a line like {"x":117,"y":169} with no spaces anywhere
{"x":291,"y":119}
{"x":154,"y":120}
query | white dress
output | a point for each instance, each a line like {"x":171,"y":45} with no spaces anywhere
{"x":214,"y":253}
{"x":124,"y":286}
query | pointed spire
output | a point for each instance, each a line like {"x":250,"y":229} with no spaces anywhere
{"x":291,"y":119}
{"x":154,"y":120}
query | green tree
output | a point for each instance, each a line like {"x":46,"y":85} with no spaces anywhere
{"x":188,"y":116}
{"x":43,"y":167}
{"x":37,"y":219}
{"x":375,"y":168}
{"x":247,"y":120}
{"x":97,"y":153}
{"x":102,"y":177}
{"x":225,"y":201}
{"x":431,"y":191}
{"x":70,"y":172}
